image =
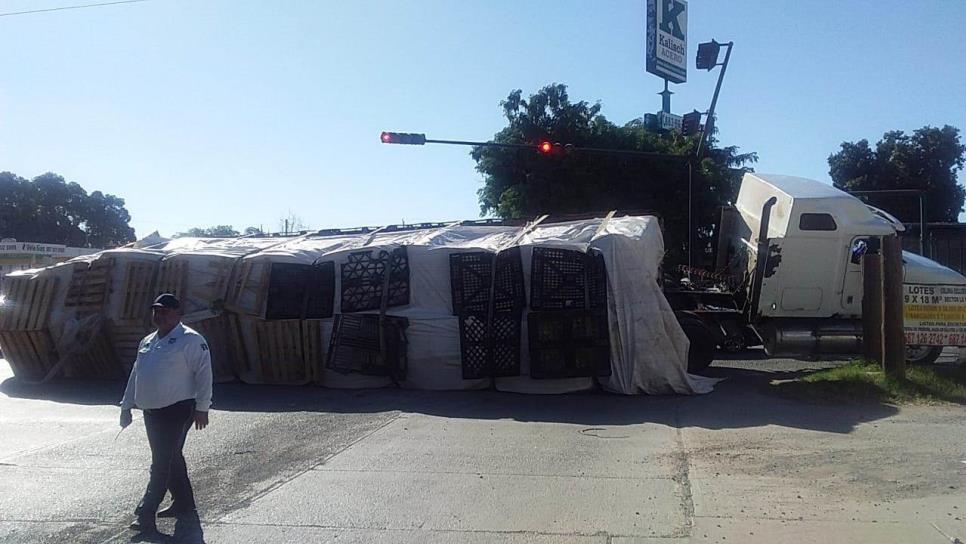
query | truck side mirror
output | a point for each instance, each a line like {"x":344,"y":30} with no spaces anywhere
{"x":859,"y":248}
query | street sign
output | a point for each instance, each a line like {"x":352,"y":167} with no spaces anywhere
{"x":668,"y":121}
{"x":667,"y":39}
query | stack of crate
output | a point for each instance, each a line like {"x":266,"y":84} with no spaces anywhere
{"x":279,"y":338}
{"x":90,"y":349}
{"x":25,"y":336}
{"x":201,"y":284}
{"x":133,"y":323}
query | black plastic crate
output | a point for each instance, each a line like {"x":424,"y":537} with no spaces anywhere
{"x":565,"y":279}
{"x":363,"y":280}
{"x":471,"y":275}
{"x":300,"y":291}
{"x":569,"y":344}
{"x":356,"y":347}
{"x":493,"y":356}
{"x":596,"y":280}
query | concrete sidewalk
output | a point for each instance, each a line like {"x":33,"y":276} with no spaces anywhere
{"x":312,"y":465}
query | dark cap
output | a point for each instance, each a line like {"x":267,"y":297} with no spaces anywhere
{"x":167,"y":300}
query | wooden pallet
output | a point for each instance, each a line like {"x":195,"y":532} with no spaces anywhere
{"x":248,"y":276}
{"x":96,"y":361}
{"x":221,"y":269}
{"x":279,"y":345}
{"x":90,"y":285}
{"x":31,"y":354}
{"x":125,"y":340}
{"x":173,"y":277}
{"x":220,"y":339}
{"x":139,"y":292}
{"x":313,"y":347}
{"x":288,"y":350}
{"x":27,"y":301}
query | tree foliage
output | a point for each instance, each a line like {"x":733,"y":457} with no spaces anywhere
{"x":928,"y":160}
{"x":523,"y":183}
{"x":50,"y":210}
{"x":218,"y":231}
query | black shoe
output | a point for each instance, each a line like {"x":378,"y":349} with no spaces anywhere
{"x":175,"y":511}
{"x":146,"y":529}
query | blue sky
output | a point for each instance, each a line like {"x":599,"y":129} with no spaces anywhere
{"x":204,"y":112}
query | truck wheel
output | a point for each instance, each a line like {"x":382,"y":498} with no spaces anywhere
{"x":701,"y":351}
{"x":922,"y":355}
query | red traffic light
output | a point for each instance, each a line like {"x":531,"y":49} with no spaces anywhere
{"x":545,"y":147}
{"x":402,"y":138}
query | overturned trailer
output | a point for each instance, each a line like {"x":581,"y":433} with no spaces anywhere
{"x":540,"y":307}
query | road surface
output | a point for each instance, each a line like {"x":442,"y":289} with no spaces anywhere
{"x":305,"y":464}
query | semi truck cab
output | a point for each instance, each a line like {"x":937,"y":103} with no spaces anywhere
{"x":798,"y":244}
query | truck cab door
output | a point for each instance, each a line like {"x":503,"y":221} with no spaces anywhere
{"x":852,"y":281}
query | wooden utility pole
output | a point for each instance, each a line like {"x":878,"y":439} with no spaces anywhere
{"x":872,"y":306}
{"x":893,"y":334}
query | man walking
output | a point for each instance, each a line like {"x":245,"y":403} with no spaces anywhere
{"x":171,"y":384}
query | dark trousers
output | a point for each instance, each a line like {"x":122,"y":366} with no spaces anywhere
{"x":167,"y":428}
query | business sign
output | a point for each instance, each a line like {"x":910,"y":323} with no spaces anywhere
{"x":667,"y":39}
{"x":934,"y":315}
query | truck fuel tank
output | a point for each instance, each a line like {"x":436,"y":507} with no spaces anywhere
{"x":808,"y":337}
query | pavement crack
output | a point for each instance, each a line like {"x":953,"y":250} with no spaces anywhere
{"x":490,"y":474}
{"x":682,"y":475}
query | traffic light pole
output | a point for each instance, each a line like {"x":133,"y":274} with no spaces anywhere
{"x":714,"y":99}
{"x":593,"y":150}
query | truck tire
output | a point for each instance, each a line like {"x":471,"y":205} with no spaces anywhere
{"x":922,"y":355}
{"x":701,"y":350}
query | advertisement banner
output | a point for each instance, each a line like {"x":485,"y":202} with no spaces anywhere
{"x":934,"y":315}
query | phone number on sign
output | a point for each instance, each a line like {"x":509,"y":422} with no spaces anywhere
{"x":935,"y":339}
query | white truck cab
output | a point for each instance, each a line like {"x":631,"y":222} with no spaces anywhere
{"x":807,"y":298}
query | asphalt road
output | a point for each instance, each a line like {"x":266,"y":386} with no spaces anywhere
{"x":304,"y":464}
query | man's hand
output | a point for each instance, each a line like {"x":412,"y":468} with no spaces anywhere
{"x":125,"y":418}
{"x":201,"y":419}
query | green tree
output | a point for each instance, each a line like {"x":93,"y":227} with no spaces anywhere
{"x":929,"y":160}
{"x":523,"y":183}
{"x":48,"y":209}
{"x":218,"y":231}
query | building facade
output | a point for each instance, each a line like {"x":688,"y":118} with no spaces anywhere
{"x":16,"y":255}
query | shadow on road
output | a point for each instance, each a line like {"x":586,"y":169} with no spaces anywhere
{"x":741,"y":400}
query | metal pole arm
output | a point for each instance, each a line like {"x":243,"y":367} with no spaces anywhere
{"x":714,"y":99}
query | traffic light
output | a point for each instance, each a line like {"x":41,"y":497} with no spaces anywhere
{"x":707,"y":55}
{"x":691,"y":123}
{"x":554,"y":149}
{"x":403,"y":138}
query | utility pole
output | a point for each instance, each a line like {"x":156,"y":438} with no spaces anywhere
{"x":893,"y":337}
{"x":707,"y":60}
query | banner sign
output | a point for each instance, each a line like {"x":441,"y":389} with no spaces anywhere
{"x":667,"y":39}
{"x":934,"y":315}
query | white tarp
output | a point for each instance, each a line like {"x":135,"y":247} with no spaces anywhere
{"x":647,"y":346}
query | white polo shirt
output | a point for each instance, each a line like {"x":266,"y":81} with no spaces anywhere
{"x":170,"y":369}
